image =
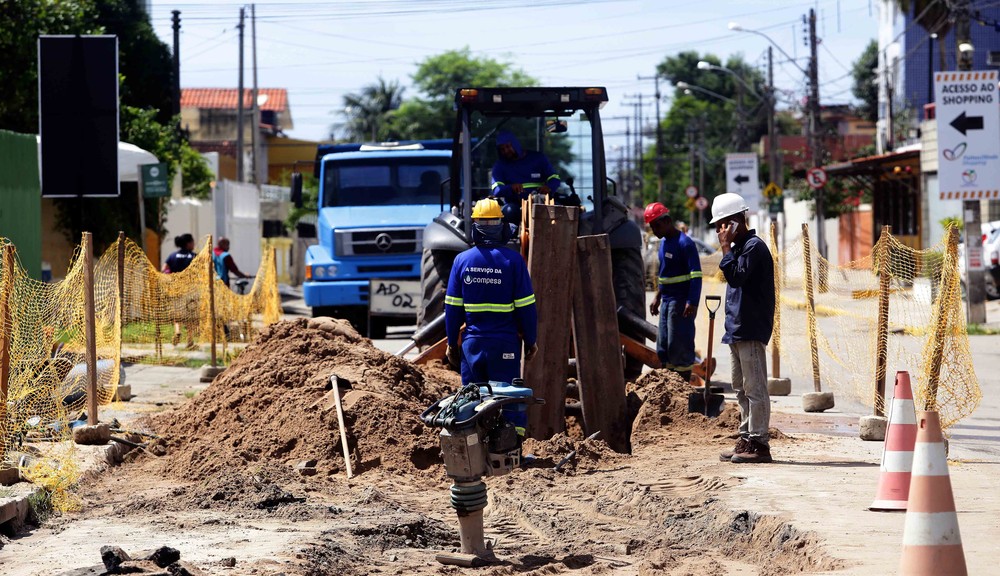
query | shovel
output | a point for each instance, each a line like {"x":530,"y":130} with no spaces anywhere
{"x":708,"y":400}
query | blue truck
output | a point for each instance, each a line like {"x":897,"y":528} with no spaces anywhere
{"x":374,"y":202}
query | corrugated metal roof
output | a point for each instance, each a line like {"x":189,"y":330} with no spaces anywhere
{"x":225,"y":98}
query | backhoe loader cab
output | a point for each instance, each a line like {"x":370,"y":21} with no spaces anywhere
{"x":480,"y":114}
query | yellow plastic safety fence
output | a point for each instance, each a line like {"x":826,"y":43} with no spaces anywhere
{"x":922,"y":298}
{"x":169,"y":317}
{"x":139,"y":314}
{"x":47,"y":382}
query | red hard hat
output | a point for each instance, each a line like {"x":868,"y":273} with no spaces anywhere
{"x":654,"y":211}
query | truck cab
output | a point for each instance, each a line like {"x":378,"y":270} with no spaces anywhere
{"x":374,"y":202}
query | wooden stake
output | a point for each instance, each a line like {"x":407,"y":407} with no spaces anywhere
{"x":882,"y":329}
{"x":343,"y":427}
{"x":90,"y":327}
{"x":776,"y":339}
{"x":941,"y":317}
{"x":598,"y":348}
{"x":810,"y":306}
{"x":121,"y":301}
{"x":553,"y":238}
{"x":6,"y":330}
{"x":211,"y":299}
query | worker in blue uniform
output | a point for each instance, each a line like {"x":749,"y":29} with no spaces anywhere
{"x":519,"y":173}
{"x":678,"y":293}
{"x":489,"y":290}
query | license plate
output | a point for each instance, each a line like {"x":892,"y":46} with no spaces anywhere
{"x":394,"y":297}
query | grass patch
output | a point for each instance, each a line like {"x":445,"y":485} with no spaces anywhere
{"x":41,"y":505}
{"x":190,"y":394}
{"x":980,"y":330}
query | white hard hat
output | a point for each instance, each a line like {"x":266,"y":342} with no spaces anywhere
{"x":726,"y":205}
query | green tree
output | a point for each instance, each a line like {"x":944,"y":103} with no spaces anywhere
{"x":21,"y":22}
{"x":707,"y":121}
{"x":368,"y":111}
{"x":865,"y":88}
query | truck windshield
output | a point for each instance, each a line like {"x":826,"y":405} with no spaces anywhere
{"x":383,"y":181}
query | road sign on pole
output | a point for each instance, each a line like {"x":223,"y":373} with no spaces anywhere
{"x":741,"y":178}
{"x":691,"y":191}
{"x":968,"y":134}
{"x":701,"y":203}
{"x":816,"y":177}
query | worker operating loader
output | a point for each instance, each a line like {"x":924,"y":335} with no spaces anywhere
{"x":490,"y":292}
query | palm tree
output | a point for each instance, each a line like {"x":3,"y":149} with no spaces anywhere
{"x":367,"y":110}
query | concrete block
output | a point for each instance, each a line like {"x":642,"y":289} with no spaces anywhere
{"x":817,"y":401}
{"x":124,"y":393}
{"x":92,"y":435}
{"x":208,"y":373}
{"x":779,"y":386}
{"x":872,"y":428}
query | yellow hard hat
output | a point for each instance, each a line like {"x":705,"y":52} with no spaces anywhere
{"x":487,"y":208}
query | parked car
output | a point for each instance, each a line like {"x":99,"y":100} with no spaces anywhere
{"x":650,"y":255}
{"x":991,"y":253}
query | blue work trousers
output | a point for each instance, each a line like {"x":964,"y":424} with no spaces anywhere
{"x":485,"y":359}
{"x":675,"y":342}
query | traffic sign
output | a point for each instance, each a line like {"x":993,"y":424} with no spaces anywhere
{"x":968,"y":134}
{"x":816,"y":177}
{"x":701,"y":203}
{"x":690,"y":204}
{"x":741,"y":178}
{"x":772,"y":191}
{"x":154,"y":180}
{"x":691,"y":191}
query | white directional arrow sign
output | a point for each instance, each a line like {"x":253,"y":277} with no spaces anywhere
{"x":968,"y":134}
{"x":741,"y":178}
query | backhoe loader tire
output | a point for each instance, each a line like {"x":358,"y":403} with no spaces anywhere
{"x":627,"y":270}
{"x":435,"y":269}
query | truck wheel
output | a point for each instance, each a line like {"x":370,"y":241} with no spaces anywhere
{"x":435,"y":268}
{"x":318,"y":311}
{"x":628,"y":273}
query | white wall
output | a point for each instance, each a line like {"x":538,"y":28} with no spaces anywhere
{"x":188,"y":215}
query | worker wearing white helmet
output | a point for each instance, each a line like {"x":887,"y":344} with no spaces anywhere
{"x":749,"y":271}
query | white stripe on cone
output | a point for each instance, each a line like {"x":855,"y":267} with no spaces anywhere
{"x":931,"y":529}
{"x":903,"y":412}
{"x":897,"y":461}
{"x":930,"y":459}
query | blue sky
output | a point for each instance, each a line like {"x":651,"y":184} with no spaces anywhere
{"x":321,"y":50}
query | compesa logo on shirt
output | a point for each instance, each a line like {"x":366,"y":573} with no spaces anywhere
{"x":479,"y":275}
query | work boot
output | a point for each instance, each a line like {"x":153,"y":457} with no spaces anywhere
{"x":755,"y":453}
{"x":741,"y":446}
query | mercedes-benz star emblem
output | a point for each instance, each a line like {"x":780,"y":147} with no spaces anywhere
{"x":383,"y":241}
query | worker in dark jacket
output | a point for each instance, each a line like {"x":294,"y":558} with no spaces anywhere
{"x":489,"y":290}
{"x":750,"y":299}
{"x":519,"y":173}
{"x":678,"y":293}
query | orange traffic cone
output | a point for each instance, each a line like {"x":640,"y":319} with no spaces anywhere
{"x":897,"y":451}
{"x":932,"y":544}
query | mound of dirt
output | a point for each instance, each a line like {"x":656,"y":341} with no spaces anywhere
{"x":658,"y":404}
{"x":275,"y":403}
{"x":590,"y":454}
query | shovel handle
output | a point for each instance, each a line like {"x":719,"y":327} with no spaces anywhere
{"x":709,"y":300}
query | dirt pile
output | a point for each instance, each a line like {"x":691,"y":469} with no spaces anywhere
{"x":658,"y":404}
{"x":275,"y":403}
{"x":590,"y":454}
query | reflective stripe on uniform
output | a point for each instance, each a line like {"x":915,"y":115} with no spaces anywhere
{"x":497,"y":185}
{"x":526,"y":301}
{"x":679,"y":279}
{"x":556,"y":176}
{"x":489,"y":307}
{"x":453,"y":300}
{"x":531,"y":185}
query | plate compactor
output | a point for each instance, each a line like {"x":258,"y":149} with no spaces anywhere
{"x":482,"y":426}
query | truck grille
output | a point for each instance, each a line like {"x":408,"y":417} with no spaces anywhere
{"x":375,"y":242}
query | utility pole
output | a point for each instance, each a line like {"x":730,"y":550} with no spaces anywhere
{"x":659,"y":136}
{"x":638,"y":137}
{"x":963,"y":34}
{"x":702,"y":156}
{"x":255,"y":106}
{"x":815,"y":135}
{"x":239,"y":107}
{"x":176,"y":19}
{"x":772,"y":135}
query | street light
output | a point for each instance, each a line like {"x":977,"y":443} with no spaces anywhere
{"x":703,"y":65}
{"x":689,"y":87}
{"x":735,"y":27}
